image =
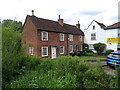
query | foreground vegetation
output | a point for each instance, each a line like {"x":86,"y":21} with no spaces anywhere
{"x":20,"y":71}
{"x":63,"y":72}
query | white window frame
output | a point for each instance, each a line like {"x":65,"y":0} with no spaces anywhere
{"x":31,"y":50}
{"x":71,"y":37}
{"x":93,"y":36}
{"x":46,"y":52}
{"x":81,"y":37}
{"x":71,"y":48}
{"x":61,"y":37}
{"x":62,"y":50}
{"x":46,"y":38}
{"x":81,"y":47}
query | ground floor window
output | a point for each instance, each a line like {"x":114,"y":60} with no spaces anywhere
{"x":61,"y":49}
{"x":81,"y":48}
{"x":31,"y":50}
{"x":91,"y":46}
{"x":71,"y":48}
{"x":44,"y":51}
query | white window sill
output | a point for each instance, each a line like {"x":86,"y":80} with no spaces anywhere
{"x":44,"y":55}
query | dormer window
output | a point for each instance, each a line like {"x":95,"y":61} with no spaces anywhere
{"x":93,"y":27}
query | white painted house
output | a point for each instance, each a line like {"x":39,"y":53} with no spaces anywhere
{"x":98,"y":33}
{"x":113,"y":36}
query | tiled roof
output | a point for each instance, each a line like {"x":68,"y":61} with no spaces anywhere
{"x":54,"y":26}
{"x":100,"y":24}
{"x":114,"y":26}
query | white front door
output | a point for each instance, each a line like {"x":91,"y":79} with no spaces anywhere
{"x":53,"y":53}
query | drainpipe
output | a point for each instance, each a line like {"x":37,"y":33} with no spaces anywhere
{"x":67,"y":45}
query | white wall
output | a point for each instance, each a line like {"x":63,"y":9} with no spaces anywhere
{"x":111,"y":33}
{"x":101,"y":36}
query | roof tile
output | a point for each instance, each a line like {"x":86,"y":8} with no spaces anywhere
{"x":54,"y":26}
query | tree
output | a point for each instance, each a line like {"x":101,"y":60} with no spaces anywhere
{"x":99,"y":47}
{"x":12,"y":24}
{"x":10,"y":50}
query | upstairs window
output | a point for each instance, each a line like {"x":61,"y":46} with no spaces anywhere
{"x":61,"y":49}
{"x":81,"y":38}
{"x":93,"y":27}
{"x":118,"y":34}
{"x":71,"y":37}
{"x":93,"y":36}
{"x":61,"y":37}
{"x":31,"y":50}
{"x":44,"y":36}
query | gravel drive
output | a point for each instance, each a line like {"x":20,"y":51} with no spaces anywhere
{"x":107,"y":69}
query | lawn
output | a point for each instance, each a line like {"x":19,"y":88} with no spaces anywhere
{"x":92,"y":58}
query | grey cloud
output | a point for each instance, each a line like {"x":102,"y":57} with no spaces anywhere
{"x":115,"y":18}
{"x":91,"y":13}
{"x":69,"y":20}
{"x":61,"y":10}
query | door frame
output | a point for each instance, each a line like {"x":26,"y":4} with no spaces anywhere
{"x":52,"y":52}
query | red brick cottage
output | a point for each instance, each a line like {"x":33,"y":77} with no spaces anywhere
{"x":47,"y":38}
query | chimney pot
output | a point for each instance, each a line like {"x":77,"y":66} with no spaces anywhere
{"x":60,"y":21}
{"x":33,"y":13}
{"x":78,"y":25}
{"x":59,"y":16}
{"x":78,"y":22}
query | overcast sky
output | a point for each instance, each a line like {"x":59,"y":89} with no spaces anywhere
{"x":105,"y":11}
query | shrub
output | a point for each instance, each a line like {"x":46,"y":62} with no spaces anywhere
{"x":88,"y":54}
{"x":108,"y":51}
{"x":63,"y":72}
{"x":85,"y":45}
{"x":99,"y":47}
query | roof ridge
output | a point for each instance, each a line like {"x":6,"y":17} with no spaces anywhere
{"x":50,"y":20}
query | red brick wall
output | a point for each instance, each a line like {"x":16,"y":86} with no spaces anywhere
{"x":29,"y":36}
{"x":53,"y":38}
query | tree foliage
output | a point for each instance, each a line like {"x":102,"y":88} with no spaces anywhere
{"x":99,"y":47}
{"x":10,"y":50}
{"x":12,"y":24}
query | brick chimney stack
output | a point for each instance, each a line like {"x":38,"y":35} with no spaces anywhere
{"x":60,"y":21}
{"x":33,"y":13}
{"x":78,"y":25}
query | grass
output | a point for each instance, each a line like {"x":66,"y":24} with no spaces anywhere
{"x":92,"y":58}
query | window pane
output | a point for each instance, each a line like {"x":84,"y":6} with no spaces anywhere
{"x":71,"y":48}
{"x":31,"y":50}
{"x":44,"y":35}
{"x":61,"y":37}
{"x":93,"y":36}
{"x":61,"y":49}
{"x":80,"y":38}
{"x":44,"y":51}
{"x":71,"y":37}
